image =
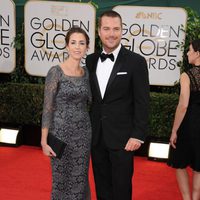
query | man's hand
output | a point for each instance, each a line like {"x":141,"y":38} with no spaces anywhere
{"x":132,"y":144}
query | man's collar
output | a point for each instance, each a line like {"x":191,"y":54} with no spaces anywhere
{"x":115,"y":52}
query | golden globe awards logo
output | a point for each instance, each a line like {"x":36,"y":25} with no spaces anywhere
{"x":45,"y":33}
{"x":155,"y":33}
{"x":7,"y":35}
{"x":161,"y":53}
{"x":48,"y":37}
{"x":4,"y":36}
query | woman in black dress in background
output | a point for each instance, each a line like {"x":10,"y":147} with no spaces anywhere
{"x":185,"y":136}
{"x":65,"y":115}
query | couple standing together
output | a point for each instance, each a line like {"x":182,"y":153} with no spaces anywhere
{"x":115,"y":84}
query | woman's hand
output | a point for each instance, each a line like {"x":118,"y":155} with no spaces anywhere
{"x":173,"y":139}
{"x":47,"y":150}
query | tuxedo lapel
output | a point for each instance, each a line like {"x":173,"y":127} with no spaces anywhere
{"x":116,"y":68}
{"x":94,"y":76}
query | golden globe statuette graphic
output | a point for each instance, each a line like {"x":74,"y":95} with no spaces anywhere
{"x":48,"y":45}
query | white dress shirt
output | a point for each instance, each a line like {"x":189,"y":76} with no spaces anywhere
{"x":104,"y":70}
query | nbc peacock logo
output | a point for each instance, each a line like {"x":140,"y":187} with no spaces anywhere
{"x":151,"y":15}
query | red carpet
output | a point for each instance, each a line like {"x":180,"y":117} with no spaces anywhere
{"x":25,"y":174}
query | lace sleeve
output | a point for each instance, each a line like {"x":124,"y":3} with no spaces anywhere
{"x":194,"y":75}
{"x":89,"y":96}
{"x":89,"y":88}
{"x":50,"y":90}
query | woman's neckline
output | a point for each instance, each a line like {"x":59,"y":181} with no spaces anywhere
{"x":72,"y":76}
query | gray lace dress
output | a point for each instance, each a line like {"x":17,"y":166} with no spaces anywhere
{"x":65,"y":114}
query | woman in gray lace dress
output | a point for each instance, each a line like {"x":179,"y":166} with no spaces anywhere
{"x":185,"y":136}
{"x":65,"y":115}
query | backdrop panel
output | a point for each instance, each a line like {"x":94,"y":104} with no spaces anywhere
{"x":45,"y":32}
{"x":155,"y":33}
{"x":7,"y":35}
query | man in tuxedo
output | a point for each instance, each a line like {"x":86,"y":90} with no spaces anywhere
{"x":119,"y":112}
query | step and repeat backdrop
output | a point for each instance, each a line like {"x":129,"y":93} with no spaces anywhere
{"x":45,"y":32}
{"x":7,"y":35}
{"x":154,"y":32}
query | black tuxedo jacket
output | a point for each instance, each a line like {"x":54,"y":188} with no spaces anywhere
{"x":123,"y":111}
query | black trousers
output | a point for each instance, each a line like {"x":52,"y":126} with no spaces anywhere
{"x":113,"y":171}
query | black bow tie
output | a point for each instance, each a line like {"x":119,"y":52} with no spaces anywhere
{"x":104,"y":56}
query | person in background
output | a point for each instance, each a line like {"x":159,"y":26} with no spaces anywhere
{"x":119,"y":111}
{"x":185,"y":136}
{"x":65,"y":115}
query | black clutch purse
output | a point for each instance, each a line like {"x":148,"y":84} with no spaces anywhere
{"x":56,"y":144}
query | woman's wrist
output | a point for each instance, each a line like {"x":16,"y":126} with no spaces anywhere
{"x":43,"y":143}
{"x":174,"y":130}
